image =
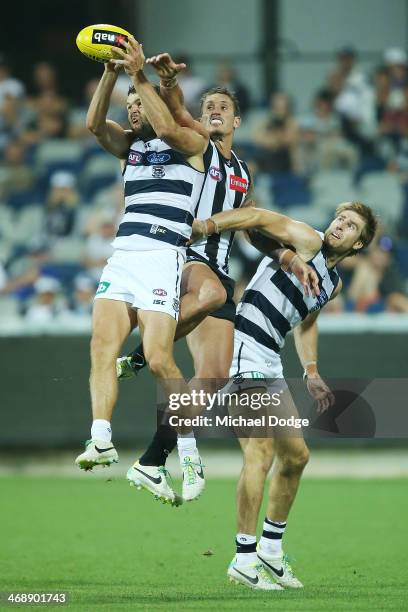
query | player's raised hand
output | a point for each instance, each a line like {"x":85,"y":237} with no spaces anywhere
{"x":165,"y":66}
{"x":112,"y":67}
{"x":320,"y":392}
{"x":306,"y":275}
{"x":133,"y":59}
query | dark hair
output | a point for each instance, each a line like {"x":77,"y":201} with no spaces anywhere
{"x":132,"y":89}
{"x":371,"y":222}
{"x":224,"y":92}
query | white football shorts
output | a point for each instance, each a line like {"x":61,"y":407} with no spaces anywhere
{"x":250,"y":358}
{"x":149,"y":280}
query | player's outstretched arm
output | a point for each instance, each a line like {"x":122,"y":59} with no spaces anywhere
{"x":110,"y":135}
{"x":182,"y":139}
{"x":280,"y":227}
{"x":171,"y":91}
{"x":305,"y":336}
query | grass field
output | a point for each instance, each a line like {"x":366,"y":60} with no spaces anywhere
{"x":114,"y":548}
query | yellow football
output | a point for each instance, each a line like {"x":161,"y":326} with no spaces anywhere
{"x":95,"y":41}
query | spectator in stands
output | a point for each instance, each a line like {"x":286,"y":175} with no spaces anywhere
{"x":9,"y":86}
{"x":382,"y":88}
{"x":46,"y":98}
{"x":354,"y":100}
{"x":226,"y":77}
{"x":24,"y":270}
{"x":396,"y":61}
{"x":321,"y":144}
{"x":15,"y":175}
{"x":377,"y":284}
{"x":62,"y":205}
{"x":277,"y":137}
{"x":82,"y":299}
{"x":45,"y":305}
{"x":191,"y":84}
{"x":98,"y":246}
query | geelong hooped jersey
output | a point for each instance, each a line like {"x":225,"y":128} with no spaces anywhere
{"x":161,"y":194}
{"x":225,"y":188}
{"x":274,"y":302}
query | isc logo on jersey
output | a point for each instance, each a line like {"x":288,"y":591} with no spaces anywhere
{"x":237,"y":183}
{"x":215,"y":173}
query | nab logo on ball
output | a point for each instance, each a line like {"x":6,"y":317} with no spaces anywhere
{"x":105,"y":37}
{"x":215,"y":173}
{"x":134,"y":158}
{"x":158,"y":158}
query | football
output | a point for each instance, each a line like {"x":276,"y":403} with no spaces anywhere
{"x":95,"y":41}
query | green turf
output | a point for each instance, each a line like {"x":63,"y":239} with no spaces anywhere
{"x":113,"y":548}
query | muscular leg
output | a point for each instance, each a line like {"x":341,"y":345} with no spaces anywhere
{"x":258,"y":457}
{"x":211,"y":345}
{"x":112,"y":322}
{"x":157,"y":331}
{"x":201,"y":293}
{"x":291,"y":458}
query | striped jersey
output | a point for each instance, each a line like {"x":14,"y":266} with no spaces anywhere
{"x":274,"y":302}
{"x":161,"y":194}
{"x":225,"y":188}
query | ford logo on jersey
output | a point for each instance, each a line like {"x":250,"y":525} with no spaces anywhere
{"x":215,"y":173}
{"x":158,"y":158}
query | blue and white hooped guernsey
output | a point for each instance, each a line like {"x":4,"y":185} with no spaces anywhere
{"x":161,"y":193}
{"x":274,"y":302}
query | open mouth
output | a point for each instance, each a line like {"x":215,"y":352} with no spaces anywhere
{"x":336,"y":236}
{"x":216,"y":121}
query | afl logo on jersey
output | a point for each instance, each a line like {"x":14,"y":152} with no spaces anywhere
{"x":237,"y":183}
{"x":134,"y":158}
{"x":158,"y":158}
{"x":215,"y":173}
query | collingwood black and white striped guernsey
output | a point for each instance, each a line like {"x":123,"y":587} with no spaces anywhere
{"x":274,"y":302}
{"x":225,"y":187}
{"x":162,"y":191}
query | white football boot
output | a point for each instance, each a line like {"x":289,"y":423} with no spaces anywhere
{"x":193,"y":476}
{"x":155,"y":480}
{"x":279,"y":569}
{"x":252,"y":575}
{"x":97,"y":452}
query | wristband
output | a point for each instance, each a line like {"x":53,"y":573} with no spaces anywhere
{"x":169,"y":83}
{"x":282,"y":255}
{"x":308,"y":363}
{"x":216,"y":228}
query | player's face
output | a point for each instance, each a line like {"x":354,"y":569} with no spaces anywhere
{"x":217,"y":115}
{"x":344,"y":233}
{"x":136,"y":115}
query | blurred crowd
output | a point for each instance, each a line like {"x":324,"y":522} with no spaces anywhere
{"x":61,"y":195}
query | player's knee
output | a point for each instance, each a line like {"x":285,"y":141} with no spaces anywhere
{"x":212,"y":296}
{"x":293,"y":463}
{"x":160,"y":363}
{"x":103,"y":347}
{"x":258,"y":457}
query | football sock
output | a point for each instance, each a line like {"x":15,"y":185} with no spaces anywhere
{"x":186,"y":444}
{"x":246,"y":548}
{"x":138,"y":357}
{"x":101,"y":430}
{"x":162,"y":444}
{"x":271,"y":540}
